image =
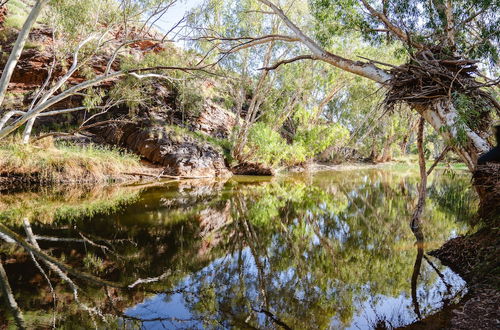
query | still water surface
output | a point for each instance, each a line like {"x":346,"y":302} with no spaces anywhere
{"x":324,"y":250}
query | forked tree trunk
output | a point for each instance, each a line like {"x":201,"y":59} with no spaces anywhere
{"x":386,"y":150}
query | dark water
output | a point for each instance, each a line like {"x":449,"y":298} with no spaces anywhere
{"x":329,"y":250}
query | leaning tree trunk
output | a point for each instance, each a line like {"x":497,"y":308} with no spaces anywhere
{"x":413,"y":83}
{"x":16,"y":51}
{"x":443,"y":117}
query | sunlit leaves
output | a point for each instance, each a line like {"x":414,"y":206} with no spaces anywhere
{"x":475,"y":22}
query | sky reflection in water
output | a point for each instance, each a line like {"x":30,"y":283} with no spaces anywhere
{"x":330,"y":250}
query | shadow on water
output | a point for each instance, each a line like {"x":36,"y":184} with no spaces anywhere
{"x":329,"y":250}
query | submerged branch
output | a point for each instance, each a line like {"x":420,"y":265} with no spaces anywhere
{"x":9,"y":298}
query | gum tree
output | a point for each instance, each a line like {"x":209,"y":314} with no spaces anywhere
{"x":440,"y":81}
{"x":84,"y":33}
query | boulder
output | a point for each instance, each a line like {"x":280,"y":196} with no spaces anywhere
{"x":180,"y":154}
{"x":251,"y":168}
{"x":214,"y":121}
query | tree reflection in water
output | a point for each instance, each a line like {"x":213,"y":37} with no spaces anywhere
{"x":329,"y":250}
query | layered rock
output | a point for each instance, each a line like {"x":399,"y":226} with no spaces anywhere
{"x":250,"y":168}
{"x":214,"y":121}
{"x":180,"y":154}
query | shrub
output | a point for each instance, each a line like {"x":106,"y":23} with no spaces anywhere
{"x":266,"y":145}
{"x":15,"y":21}
{"x":318,"y":138}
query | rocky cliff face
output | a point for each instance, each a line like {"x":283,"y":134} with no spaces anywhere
{"x":180,"y":154}
{"x":214,"y":121}
{"x":143,"y":132}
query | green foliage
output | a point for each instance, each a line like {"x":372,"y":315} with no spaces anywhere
{"x":80,"y":18}
{"x":93,"y":98}
{"x":477,"y":36}
{"x":64,"y":206}
{"x":318,"y":138}
{"x":330,"y":238}
{"x":66,"y":162}
{"x":267,"y":146}
{"x":15,"y":21}
{"x":17,"y":13}
{"x":93,"y":263}
{"x":189,"y":95}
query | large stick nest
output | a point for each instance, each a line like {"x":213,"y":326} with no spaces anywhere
{"x":432,"y":74}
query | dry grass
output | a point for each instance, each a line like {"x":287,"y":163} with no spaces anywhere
{"x":65,"y":162}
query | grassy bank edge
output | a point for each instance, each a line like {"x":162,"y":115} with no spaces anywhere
{"x":65,"y":163}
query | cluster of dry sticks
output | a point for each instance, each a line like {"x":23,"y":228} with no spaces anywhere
{"x":433,"y":74}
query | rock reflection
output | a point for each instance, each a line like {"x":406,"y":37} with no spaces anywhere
{"x":329,"y":250}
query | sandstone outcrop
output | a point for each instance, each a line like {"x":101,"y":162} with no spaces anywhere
{"x":179,"y":154}
{"x":250,"y":168}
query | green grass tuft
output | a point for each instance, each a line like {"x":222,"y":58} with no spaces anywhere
{"x":65,"y":162}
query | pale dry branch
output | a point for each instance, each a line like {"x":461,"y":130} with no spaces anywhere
{"x":10,"y":299}
{"x":367,"y":70}
{"x":150,"y":279}
{"x":290,"y":60}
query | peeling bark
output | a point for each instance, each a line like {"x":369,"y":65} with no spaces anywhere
{"x":443,"y":117}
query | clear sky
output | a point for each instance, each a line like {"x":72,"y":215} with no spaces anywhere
{"x":175,"y":13}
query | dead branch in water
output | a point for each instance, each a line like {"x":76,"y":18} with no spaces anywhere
{"x":165,"y":176}
{"x":9,"y":298}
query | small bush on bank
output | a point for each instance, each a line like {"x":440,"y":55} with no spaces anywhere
{"x":268,"y":147}
{"x":65,"y":162}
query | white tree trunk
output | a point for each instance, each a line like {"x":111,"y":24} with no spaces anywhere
{"x":443,"y":117}
{"x":7,"y":116}
{"x":27,"y":130}
{"x":363,"y":69}
{"x":15,"y":54}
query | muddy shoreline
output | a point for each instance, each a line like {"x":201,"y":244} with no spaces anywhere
{"x":475,"y":258}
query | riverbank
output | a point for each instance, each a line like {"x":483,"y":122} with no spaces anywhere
{"x":475,"y":259}
{"x":48,"y":163}
{"x":26,"y":165}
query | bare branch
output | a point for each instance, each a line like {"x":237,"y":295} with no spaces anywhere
{"x":10,"y":299}
{"x":388,"y":24}
{"x":28,"y":230}
{"x":149,"y":75}
{"x":47,"y":258}
{"x":367,"y":70}
{"x":262,"y":40}
{"x":290,"y":60}
{"x":150,"y":279}
{"x":16,"y":51}
{"x":440,"y":158}
{"x":84,"y":85}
